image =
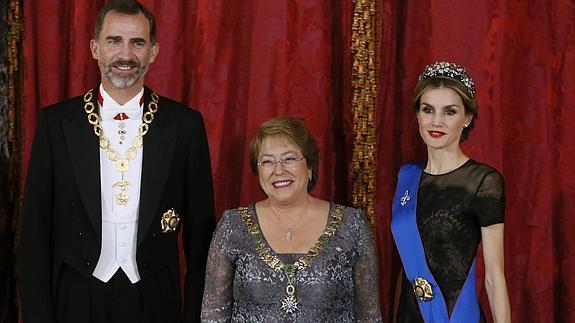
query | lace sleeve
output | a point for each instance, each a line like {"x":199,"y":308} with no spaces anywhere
{"x":217,"y":302}
{"x":365,"y":275}
{"x":489,"y":203}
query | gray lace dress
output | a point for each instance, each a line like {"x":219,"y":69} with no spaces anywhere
{"x":336,"y":281}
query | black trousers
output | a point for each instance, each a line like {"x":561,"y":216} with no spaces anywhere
{"x":89,"y":300}
{"x":116,"y":301}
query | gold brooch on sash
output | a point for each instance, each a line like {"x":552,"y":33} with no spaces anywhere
{"x":170,"y":221}
{"x":422,"y":289}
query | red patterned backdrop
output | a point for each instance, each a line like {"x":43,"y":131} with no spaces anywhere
{"x":241,"y":62}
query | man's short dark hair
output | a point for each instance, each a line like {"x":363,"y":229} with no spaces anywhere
{"x":126,"y":7}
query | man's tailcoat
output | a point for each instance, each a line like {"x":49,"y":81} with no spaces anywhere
{"x":62,"y":212}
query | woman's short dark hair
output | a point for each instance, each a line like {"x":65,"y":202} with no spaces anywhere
{"x":126,"y":7}
{"x":293,"y":131}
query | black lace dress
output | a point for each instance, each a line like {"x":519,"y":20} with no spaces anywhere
{"x":451,"y":209}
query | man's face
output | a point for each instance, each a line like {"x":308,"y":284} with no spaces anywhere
{"x":124,"y":50}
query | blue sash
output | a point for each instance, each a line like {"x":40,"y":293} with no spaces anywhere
{"x":408,"y":241}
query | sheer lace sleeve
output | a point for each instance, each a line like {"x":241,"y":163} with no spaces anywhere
{"x":217,"y":302}
{"x":489,"y":203}
{"x":365,"y":275}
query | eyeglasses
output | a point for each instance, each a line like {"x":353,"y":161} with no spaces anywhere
{"x":288,"y":163}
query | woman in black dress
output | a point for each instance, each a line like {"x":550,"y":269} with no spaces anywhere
{"x":445,"y":207}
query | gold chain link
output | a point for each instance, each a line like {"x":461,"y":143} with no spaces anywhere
{"x":137,"y":141}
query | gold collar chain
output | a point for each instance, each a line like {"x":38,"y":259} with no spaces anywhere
{"x":290,"y":304}
{"x":122,"y":164}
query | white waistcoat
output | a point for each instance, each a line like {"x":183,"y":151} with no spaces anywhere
{"x":119,"y":222}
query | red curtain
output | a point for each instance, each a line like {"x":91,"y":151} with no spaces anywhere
{"x":238,"y":62}
{"x":242,"y":62}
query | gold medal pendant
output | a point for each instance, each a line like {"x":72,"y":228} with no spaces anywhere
{"x":122,"y":165}
{"x":121,"y":197}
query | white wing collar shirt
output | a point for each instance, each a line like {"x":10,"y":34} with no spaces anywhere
{"x":119,"y":220}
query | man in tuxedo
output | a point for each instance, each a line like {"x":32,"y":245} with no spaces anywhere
{"x":114,"y":175}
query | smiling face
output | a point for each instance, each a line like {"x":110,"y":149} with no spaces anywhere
{"x":281,"y":183}
{"x":124,"y":50}
{"x":442,"y":118}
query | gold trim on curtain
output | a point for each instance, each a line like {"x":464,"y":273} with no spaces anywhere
{"x":364,"y":47}
{"x":15,"y":114}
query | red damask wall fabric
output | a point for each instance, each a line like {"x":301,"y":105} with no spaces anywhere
{"x":239,"y":63}
{"x":242,"y":62}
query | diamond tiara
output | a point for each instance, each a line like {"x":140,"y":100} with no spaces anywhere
{"x":450,"y":70}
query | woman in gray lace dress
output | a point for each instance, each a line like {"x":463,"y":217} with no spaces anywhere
{"x":291,"y":257}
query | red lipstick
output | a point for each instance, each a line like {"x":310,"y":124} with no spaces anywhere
{"x":436,"y":134}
